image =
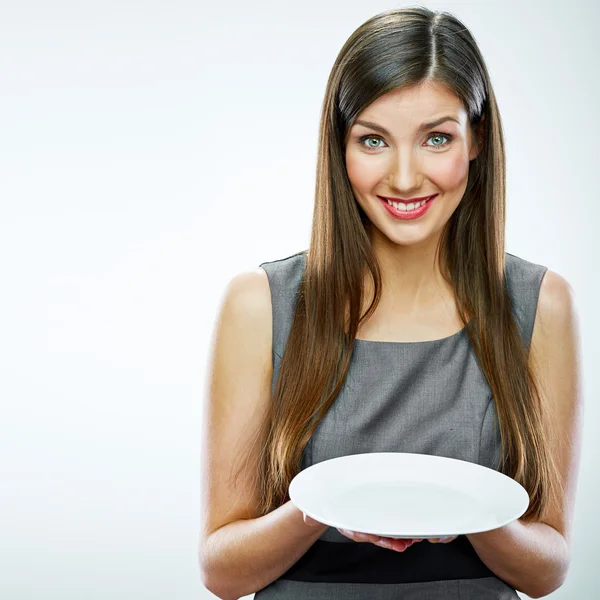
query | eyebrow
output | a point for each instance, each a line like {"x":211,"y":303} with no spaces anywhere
{"x":421,"y":128}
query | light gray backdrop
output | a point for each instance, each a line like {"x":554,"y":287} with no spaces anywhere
{"x":151,"y":150}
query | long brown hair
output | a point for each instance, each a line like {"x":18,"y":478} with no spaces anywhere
{"x":396,"y":49}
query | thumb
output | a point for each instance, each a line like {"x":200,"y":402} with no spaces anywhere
{"x":310,"y":521}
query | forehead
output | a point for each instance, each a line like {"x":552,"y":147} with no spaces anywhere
{"x":416,"y":104}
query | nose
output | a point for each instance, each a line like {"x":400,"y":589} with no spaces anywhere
{"x":405,"y":173}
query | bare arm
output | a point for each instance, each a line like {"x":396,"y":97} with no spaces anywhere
{"x":241,"y":550}
{"x":531,"y":557}
{"x":534,"y":557}
{"x":245,"y":556}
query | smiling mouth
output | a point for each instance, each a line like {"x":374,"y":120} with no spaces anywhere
{"x":407,"y":205}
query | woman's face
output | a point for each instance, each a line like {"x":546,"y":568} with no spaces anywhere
{"x":398,"y":159}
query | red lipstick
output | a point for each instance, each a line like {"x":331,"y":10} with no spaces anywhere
{"x":415,"y":213}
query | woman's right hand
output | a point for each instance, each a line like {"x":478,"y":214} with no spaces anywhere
{"x":399,"y":545}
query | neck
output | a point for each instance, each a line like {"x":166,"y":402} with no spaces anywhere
{"x":411,"y":278}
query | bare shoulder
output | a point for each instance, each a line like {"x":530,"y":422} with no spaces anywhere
{"x":249,"y":293}
{"x":244,"y":320}
{"x":556,"y":304}
{"x":556,"y":328}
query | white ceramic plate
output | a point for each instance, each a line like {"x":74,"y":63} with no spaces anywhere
{"x":404,"y":495}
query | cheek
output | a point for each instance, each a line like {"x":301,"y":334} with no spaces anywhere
{"x":361,"y":175}
{"x":452,"y":172}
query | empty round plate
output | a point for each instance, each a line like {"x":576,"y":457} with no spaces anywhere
{"x":406,"y":495}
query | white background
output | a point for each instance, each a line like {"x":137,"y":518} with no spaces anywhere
{"x":149,"y":151}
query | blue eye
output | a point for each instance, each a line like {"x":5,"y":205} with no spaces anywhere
{"x":364,"y":138}
{"x":441,"y":135}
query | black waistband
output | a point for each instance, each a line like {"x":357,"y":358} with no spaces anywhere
{"x":363,"y":562}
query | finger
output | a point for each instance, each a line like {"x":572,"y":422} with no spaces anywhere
{"x":347,"y":533}
{"x":310,"y":521}
{"x":358,"y":536}
{"x":399,"y":545}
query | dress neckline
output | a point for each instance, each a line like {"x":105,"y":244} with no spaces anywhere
{"x":421,"y":342}
{"x":304,"y":255}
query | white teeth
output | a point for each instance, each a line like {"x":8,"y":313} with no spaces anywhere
{"x":402,"y":206}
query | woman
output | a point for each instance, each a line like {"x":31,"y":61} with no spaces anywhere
{"x":406,"y":327}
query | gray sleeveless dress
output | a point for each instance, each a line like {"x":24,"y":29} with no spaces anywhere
{"x":434,"y":401}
